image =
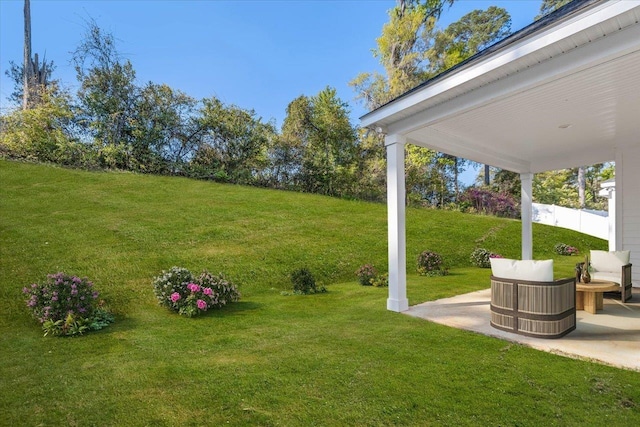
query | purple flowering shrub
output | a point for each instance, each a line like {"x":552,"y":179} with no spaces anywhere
{"x":366,"y":274}
{"x":481,"y":257}
{"x":179,"y":290}
{"x":489,"y":202}
{"x":431,"y":264}
{"x":369,"y":276}
{"x":66,"y":305}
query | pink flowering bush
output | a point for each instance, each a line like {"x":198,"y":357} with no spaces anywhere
{"x":66,"y":305}
{"x":481,"y":257}
{"x":179,"y":290}
{"x":564,"y":249}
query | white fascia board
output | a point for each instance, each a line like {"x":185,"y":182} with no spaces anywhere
{"x":519,"y":49}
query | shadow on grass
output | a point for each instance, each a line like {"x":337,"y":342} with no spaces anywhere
{"x":235,"y":307}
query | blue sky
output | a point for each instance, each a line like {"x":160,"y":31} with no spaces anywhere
{"x":257,"y":55}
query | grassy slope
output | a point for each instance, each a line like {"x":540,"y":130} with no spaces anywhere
{"x":333,"y":359}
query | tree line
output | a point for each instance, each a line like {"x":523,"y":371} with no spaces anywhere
{"x":114,"y":122}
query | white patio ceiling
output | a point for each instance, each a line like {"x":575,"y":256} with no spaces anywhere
{"x":562,"y":96}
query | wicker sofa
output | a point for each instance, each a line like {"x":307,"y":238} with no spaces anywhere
{"x":526,"y":300}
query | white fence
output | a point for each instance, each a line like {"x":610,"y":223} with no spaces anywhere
{"x":593,"y":223}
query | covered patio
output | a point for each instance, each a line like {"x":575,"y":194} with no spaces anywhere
{"x":612,"y":336}
{"x":563,"y":92}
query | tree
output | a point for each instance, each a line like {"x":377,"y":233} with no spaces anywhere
{"x":32,"y":77}
{"x":508,"y":182}
{"x":371,"y":174}
{"x":284,"y":163}
{"x":563,"y":187}
{"x":400,"y":50}
{"x":548,"y":6}
{"x":165,"y":132}
{"x":464,"y":38}
{"x":15,"y":73}
{"x":461,"y":40}
{"x":318,"y":128}
{"x":26,"y":67}
{"x":40,"y":132}
{"x":581,"y":188}
{"x":411,"y":49}
{"x":107,"y":96}
{"x":234,"y":139}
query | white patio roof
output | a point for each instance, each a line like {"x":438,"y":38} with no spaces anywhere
{"x":562,"y":93}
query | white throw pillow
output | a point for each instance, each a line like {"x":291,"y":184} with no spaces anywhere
{"x":609,"y":261}
{"x":535,"y":271}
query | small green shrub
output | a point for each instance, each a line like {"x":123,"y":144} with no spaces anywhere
{"x":381,"y":280}
{"x":481,"y":257}
{"x":431,"y":264}
{"x":564,"y":249}
{"x":67,"y":305}
{"x":178,"y":290}
{"x":304,"y":283}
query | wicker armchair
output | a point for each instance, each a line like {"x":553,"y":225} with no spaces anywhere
{"x":536,"y":309}
{"x":542,"y":309}
{"x":613,"y":267}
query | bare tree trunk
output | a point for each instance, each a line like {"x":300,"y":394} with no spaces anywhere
{"x":487,"y":179}
{"x":26,"y":69}
{"x":582,"y":183}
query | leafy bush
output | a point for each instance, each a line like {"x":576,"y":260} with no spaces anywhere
{"x":563,"y":249}
{"x":369,"y":276}
{"x":223,"y":290}
{"x":486,"y":201}
{"x":178,"y":290}
{"x":38,"y":132}
{"x":366,"y":274}
{"x":481,"y":257}
{"x":66,"y":305}
{"x":431,"y":264}
{"x":304,"y":283}
{"x":381,"y":280}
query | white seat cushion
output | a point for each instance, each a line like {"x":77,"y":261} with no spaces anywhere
{"x":609,"y":261}
{"x":535,"y":271}
{"x":608,"y":276}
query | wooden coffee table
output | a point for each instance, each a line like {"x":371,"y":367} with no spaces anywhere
{"x":589,"y":295}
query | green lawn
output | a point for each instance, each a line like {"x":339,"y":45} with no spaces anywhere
{"x":338,"y":358}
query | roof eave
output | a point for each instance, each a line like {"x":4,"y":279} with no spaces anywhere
{"x":452,"y":77}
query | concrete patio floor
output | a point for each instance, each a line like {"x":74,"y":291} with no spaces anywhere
{"x":612,"y":336}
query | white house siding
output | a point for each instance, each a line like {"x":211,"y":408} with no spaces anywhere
{"x":631,"y":207}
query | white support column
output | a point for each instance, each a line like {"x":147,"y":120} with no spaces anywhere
{"x":613,"y":219}
{"x":618,"y":227}
{"x":526,"y":205}
{"x":397,"y":300}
